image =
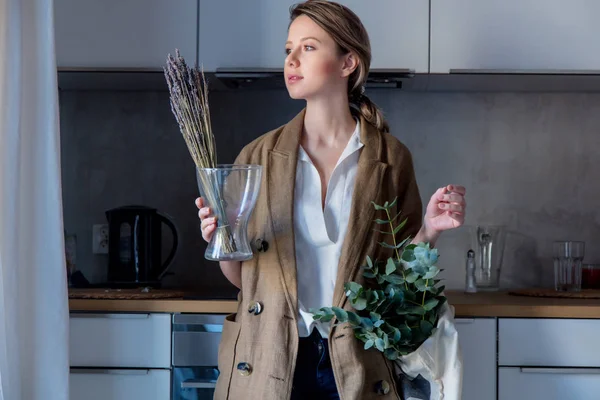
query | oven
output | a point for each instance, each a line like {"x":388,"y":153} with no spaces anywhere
{"x":195,"y":347}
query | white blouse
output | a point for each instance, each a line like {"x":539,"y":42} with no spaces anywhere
{"x":319,"y":233}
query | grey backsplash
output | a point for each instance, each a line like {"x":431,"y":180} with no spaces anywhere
{"x":525,"y":158}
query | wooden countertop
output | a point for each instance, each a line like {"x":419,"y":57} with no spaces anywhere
{"x":490,"y":304}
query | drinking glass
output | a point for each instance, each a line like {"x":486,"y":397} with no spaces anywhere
{"x":568,"y":258}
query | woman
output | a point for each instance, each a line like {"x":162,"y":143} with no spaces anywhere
{"x":313,"y":223}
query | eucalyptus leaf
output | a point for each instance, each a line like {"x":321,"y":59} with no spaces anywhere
{"x":379,"y":344}
{"x":408,"y":256}
{"x":377,"y":207}
{"x":326,"y":318}
{"x":381,"y":221}
{"x":426,"y":327}
{"x":369,"y":343}
{"x":430,"y":304}
{"x":340,"y":314}
{"x":378,"y":323}
{"x":397,"y":335}
{"x":412,"y":277}
{"x":359,"y":303}
{"x":399,"y":227}
{"x":367,"y":324}
{"x":374,"y":316}
{"x":433,"y":271}
{"x":390,"y":267}
{"x":394,"y":279}
{"x":391,"y":354}
{"x":389,"y":246}
{"x":353,"y":318}
{"x":368,"y":274}
{"x":393,"y":203}
{"x":421,"y":285}
{"x":369,"y":262}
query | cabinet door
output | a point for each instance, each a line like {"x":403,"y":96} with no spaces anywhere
{"x":477,"y":338}
{"x":398,"y":31}
{"x":548,"y":383}
{"x":124,"y":33}
{"x":120,"y":340}
{"x":514,"y":35}
{"x":119,"y":384}
{"x":548,"y":342}
{"x":255,"y":35}
{"x":243,"y":34}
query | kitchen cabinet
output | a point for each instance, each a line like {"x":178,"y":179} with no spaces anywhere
{"x":119,"y":384}
{"x":548,"y":383}
{"x":120,"y":340}
{"x":120,"y":356}
{"x":549,"y":359}
{"x":243,"y":34}
{"x":398,"y":31}
{"x":124,"y":33}
{"x":548,"y":342}
{"x":256,"y":33}
{"x":530,"y":35}
{"x":477,"y":338}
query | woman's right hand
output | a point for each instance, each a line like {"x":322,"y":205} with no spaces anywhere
{"x":208,"y":221}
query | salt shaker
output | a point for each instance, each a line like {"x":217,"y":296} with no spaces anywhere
{"x":470,"y":286}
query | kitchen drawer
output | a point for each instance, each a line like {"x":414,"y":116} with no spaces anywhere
{"x":548,"y":342}
{"x":548,"y":383}
{"x":120,"y":340}
{"x":119,"y":384}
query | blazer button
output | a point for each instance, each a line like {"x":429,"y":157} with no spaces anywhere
{"x":255,"y":308}
{"x":382,"y":387}
{"x":261,"y":245}
{"x":244,"y":369}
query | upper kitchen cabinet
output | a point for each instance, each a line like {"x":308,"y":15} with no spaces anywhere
{"x":242,"y":33}
{"x":125,"y":33}
{"x":398,"y":31}
{"x":252,"y":34}
{"x":529,"y":35}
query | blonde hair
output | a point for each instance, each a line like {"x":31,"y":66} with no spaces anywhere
{"x":346,"y":29}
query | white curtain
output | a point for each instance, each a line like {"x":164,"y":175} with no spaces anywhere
{"x":34,"y":362}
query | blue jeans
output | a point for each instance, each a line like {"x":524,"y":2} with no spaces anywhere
{"x":313,"y":377}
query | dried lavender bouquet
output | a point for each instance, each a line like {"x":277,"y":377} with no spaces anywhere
{"x":189,"y":104}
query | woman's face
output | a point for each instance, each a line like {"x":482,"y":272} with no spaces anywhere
{"x":314,"y":64}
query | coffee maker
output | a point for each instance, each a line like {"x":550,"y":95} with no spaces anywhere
{"x":135,"y":246}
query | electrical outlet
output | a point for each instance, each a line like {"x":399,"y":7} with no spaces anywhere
{"x":100,"y":239}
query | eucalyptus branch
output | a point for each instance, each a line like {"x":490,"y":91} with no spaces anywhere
{"x":398,"y":316}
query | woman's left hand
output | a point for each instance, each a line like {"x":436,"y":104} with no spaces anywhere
{"x":446,"y":209}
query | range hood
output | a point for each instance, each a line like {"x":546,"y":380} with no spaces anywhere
{"x":265,"y":78}
{"x":232,"y":79}
{"x":221,"y":79}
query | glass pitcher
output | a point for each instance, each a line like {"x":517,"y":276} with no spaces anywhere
{"x":488,"y":243}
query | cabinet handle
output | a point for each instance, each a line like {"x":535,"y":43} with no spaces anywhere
{"x":574,"y":371}
{"x":464,"y":321}
{"x":109,"y":371}
{"x":509,"y":71}
{"x":195,"y":384}
{"x":113,"y":316}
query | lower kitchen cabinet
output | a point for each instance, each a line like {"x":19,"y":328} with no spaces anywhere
{"x":477,"y":338}
{"x":533,"y":383}
{"x":119,"y":384}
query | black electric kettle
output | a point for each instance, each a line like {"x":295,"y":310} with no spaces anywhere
{"x":134,"y":246}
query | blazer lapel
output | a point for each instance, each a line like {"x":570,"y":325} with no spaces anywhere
{"x":281,"y":181}
{"x":367,"y":188}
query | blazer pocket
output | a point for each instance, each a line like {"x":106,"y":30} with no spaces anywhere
{"x":227,"y":346}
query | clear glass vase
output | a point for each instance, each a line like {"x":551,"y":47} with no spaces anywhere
{"x":231,"y":192}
